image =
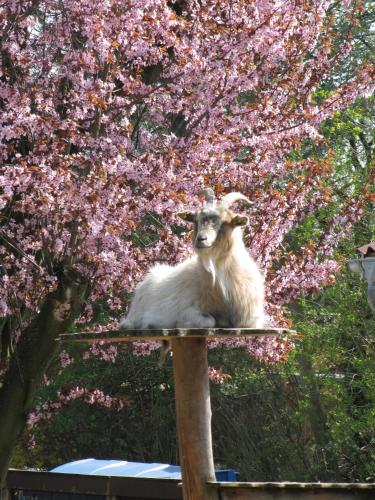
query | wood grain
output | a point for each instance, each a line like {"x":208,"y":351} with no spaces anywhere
{"x":167,"y":334}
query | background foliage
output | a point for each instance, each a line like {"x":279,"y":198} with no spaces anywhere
{"x":308,"y":419}
{"x":94,"y":130}
{"x":311,"y":418}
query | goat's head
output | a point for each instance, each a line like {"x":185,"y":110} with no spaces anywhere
{"x":215,"y":222}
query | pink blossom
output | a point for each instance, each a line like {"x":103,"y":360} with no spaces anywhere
{"x":65,"y":359}
{"x":120,"y":113}
{"x":48,"y":410}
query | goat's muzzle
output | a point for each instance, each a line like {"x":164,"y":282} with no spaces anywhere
{"x":205,"y":238}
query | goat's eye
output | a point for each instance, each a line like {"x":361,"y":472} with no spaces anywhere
{"x":214,"y":219}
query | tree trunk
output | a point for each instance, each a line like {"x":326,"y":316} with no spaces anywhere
{"x":317,"y":413}
{"x":35,"y":349}
{"x":193,"y":414}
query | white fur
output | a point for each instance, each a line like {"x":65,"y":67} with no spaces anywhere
{"x":219,"y":286}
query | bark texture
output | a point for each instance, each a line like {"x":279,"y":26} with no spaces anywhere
{"x":33,"y":352}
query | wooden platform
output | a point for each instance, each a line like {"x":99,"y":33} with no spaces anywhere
{"x":192,"y":394}
{"x":165,"y":334}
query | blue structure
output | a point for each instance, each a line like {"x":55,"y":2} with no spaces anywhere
{"x":122,"y":468}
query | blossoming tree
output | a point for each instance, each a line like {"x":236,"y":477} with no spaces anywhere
{"x":114,"y":114}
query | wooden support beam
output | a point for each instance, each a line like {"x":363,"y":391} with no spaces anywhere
{"x":193,"y":414}
{"x":295,"y":491}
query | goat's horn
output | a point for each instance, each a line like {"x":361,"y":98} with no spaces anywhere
{"x":208,"y":194}
{"x":230,"y":198}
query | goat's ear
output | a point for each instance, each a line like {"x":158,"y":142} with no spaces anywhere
{"x":187,"y":216}
{"x":239,"y":220}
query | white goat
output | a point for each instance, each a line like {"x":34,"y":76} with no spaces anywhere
{"x":220,"y":286}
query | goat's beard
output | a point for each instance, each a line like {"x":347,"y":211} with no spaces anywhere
{"x":208,"y":264}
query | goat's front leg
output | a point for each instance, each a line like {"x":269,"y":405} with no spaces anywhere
{"x":193,"y":317}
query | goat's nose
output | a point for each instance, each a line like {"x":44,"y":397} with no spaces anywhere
{"x":201,"y":238}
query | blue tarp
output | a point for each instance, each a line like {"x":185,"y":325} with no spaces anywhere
{"x":92,"y":466}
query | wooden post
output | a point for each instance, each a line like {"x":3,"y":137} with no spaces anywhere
{"x":192,"y":395}
{"x":193,"y":414}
